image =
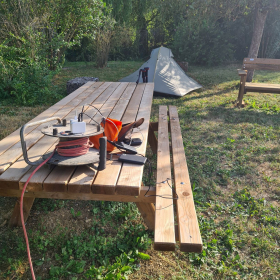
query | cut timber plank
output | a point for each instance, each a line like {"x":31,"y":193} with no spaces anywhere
{"x":147,"y":211}
{"x":15,"y":220}
{"x":83,"y":196}
{"x":58,"y":179}
{"x":152,"y":139}
{"x":261,"y":64}
{"x":132,"y":108}
{"x":164,"y":239}
{"x":36,"y":183}
{"x":259,"y":87}
{"x":51,"y":182}
{"x":131,"y":174}
{"x":106,"y":180}
{"x":105,"y":110}
{"x":189,"y":233}
{"x":261,"y":61}
{"x":81,"y":180}
{"x":242,"y":72}
{"x":261,"y":67}
{"x":12,"y":154}
{"x":14,"y":137}
{"x":11,"y":177}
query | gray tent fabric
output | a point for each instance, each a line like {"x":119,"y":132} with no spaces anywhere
{"x":167,"y":75}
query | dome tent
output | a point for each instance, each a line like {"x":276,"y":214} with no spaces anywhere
{"x":167,"y":75}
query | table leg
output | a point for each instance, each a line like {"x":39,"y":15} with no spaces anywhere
{"x":240,"y":101}
{"x":15,"y":220}
{"x":147,"y":211}
{"x":152,"y":139}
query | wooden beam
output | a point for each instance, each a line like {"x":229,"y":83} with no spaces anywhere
{"x":15,"y":220}
{"x":147,"y":211}
{"x":152,"y":139}
{"x":189,"y":233}
{"x":154,"y":126}
{"x":164,"y":239}
{"x":84,"y":196}
{"x":129,"y":181}
{"x":241,"y":90}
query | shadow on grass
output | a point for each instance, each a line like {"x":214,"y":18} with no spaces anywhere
{"x":238,"y":116}
{"x":231,"y":115}
{"x":191,"y":96}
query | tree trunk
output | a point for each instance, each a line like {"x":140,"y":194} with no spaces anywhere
{"x":260,"y":18}
{"x":143,"y":42}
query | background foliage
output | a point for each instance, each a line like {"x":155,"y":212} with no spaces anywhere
{"x":36,"y":36}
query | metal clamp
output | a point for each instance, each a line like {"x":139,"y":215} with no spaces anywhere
{"x":23,"y":143}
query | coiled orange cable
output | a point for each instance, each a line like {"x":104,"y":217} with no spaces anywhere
{"x":74,"y":148}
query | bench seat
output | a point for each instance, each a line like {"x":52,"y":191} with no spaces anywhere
{"x":256,"y":64}
{"x":259,"y":87}
{"x":179,"y":222}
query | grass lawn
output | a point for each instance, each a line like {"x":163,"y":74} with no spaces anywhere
{"x":233,"y":157}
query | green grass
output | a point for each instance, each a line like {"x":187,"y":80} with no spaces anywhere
{"x":113,"y":72}
{"x":233,"y":157}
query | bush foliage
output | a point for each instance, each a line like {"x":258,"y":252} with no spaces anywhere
{"x":36,"y":35}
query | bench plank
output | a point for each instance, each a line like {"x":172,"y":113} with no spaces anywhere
{"x":84,"y":196}
{"x":265,"y":61}
{"x":259,"y":87}
{"x":261,"y":67}
{"x":164,"y":216}
{"x":189,"y":233}
{"x":261,"y":64}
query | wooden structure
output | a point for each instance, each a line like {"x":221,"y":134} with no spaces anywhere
{"x":185,"y":228}
{"x":257,"y":64}
{"x":119,"y":181}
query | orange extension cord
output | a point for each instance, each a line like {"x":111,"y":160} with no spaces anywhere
{"x":79,"y":147}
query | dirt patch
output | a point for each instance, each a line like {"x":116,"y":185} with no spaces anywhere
{"x":162,"y":265}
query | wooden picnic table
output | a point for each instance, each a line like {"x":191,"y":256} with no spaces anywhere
{"x":118,"y":182}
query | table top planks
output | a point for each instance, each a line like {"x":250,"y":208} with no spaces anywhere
{"x":130,"y":178}
{"x":124,"y":101}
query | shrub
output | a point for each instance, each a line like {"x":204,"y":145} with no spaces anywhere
{"x":205,"y":44}
{"x":24,"y":80}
